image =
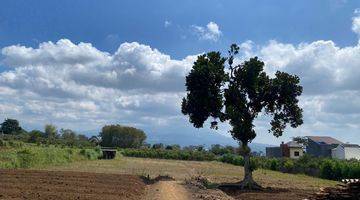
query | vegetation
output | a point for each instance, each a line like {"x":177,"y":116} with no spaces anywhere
{"x":238,"y":96}
{"x":170,"y":154}
{"x":319,"y":167}
{"x":122,"y":136}
{"x":16,"y":154}
{"x":65,"y":137}
{"x":10,"y":126}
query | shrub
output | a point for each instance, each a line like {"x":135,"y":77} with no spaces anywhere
{"x":288,"y":165}
{"x":36,"y":156}
{"x":169,"y":154}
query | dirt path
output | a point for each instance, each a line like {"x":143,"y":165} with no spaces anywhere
{"x":165,"y":190}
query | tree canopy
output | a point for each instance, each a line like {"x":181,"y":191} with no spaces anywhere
{"x":11,"y":126}
{"x":122,"y":136}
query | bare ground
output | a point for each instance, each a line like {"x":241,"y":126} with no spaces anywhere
{"x":164,"y":190}
{"x":278,"y":185}
{"x":33,"y":184}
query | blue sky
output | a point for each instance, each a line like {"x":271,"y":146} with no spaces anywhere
{"x":56,"y":82}
{"x":106,"y":25}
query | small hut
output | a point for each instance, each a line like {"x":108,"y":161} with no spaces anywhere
{"x":108,"y":152}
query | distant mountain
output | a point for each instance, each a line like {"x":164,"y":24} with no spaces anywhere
{"x":186,"y":137}
{"x":206,"y":139}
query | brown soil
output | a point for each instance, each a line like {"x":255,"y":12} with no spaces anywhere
{"x":33,"y":184}
{"x":167,"y":190}
{"x":271,"y":194}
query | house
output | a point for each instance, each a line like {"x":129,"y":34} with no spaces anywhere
{"x":321,"y":146}
{"x":291,"y":150}
{"x":346,"y":151}
{"x":294,"y":150}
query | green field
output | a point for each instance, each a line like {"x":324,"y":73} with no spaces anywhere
{"x":20,"y":155}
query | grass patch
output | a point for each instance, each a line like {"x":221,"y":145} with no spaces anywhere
{"x":33,"y":156}
{"x":215,"y":172}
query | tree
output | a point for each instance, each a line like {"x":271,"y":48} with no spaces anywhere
{"x":51,"y":132}
{"x":11,"y":126}
{"x":35,"y":136}
{"x":301,"y":140}
{"x":69,"y":136}
{"x":122,"y":136}
{"x":237,"y":96}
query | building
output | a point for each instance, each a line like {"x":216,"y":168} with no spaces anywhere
{"x":346,"y":151}
{"x":321,"y":146}
{"x":291,"y":150}
{"x":295,"y":150}
{"x":273,"y":152}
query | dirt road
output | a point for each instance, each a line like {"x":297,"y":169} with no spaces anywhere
{"x":165,"y":190}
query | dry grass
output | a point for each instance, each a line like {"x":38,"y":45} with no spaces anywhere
{"x":215,"y":171}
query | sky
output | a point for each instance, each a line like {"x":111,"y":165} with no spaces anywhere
{"x":81,"y":64}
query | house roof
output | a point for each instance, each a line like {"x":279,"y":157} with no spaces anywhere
{"x":324,"y":139}
{"x":293,"y":144}
{"x":351,"y":145}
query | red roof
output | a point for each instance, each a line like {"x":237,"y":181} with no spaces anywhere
{"x":324,"y":139}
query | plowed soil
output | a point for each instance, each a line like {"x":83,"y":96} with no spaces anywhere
{"x":33,"y":184}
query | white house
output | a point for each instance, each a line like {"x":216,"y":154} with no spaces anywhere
{"x":346,"y":151}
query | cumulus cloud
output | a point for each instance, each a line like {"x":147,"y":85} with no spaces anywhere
{"x":68,"y":83}
{"x":67,"y":69}
{"x":329,"y":75}
{"x":356,"y":22}
{"x":210,"y":32}
{"x":78,"y":86}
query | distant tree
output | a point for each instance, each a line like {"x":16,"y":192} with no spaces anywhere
{"x":68,"y":136}
{"x":237,"y":96}
{"x":146,"y":145}
{"x":158,"y":146}
{"x":172,"y":147}
{"x":51,"y":132}
{"x":122,"y":136}
{"x":35,"y":136}
{"x":194,"y":148}
{"x":301,"y":140}
{"x":82,"y":137}
{"x":217,"y":149}
{"x":11,"y":126}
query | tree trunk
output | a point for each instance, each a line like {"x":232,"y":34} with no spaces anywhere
{"x":248,"y":181}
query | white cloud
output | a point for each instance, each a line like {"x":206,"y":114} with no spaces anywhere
{"x":356,"y":22}
{"x":78,"y":86}
{"x":167,"y":23}
{"x":69,"y":83}
{"x":210,"y":32}
{"x":330,"y":76}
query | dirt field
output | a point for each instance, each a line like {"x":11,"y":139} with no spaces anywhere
{"x":109,"y":179}
{"x":30,"y":184}
{"x":280,"y":185}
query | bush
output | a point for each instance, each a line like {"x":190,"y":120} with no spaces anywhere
{"x":288,"y":166}
{"x":318,"y":167}
{"x":90,"y":154}
{"x":169,"y":154}
{"x":30,"y":156}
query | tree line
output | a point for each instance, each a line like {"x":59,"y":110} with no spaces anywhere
{"x":110,"y":135}
{"x":11,"y":130}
